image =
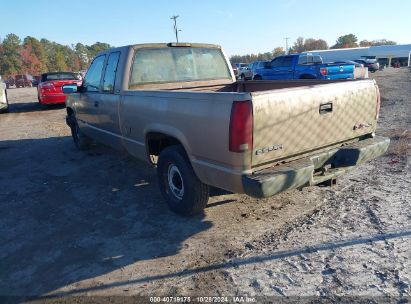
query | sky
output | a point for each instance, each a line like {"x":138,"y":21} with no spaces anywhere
{"x":239,"y":26}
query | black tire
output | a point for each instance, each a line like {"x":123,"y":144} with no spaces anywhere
{"x":257,"y":77}
{"x":242,"y":77}
{"x":190,"y":195}
{"x":307,"y":77}
{"x":81,"y":141}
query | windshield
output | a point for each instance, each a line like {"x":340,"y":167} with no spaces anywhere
{"x":58,"y":76}
{"x":161,"y":65}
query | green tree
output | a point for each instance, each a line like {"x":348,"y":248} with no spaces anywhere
{"x":38,"y":50}
{"x":312,"y":44}
{"x":59,"y":62}
{"x":377,"y":42}
{"x":96,"y":48}
{"x":346,"y":41}
{"x":10,"y":59}
{"x":50,"y":51}
{"x":383,"y":42}
{"x":81,"y":52}
{"x":278,"y":51}
{"x":298,"y":46}
{"x":364,"y":43}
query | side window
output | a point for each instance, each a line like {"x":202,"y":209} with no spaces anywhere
{"x":277,"y":62}
{"x":287,"y":61}
{"x":93,"y":76}
{"x":302,"y":59}
{"x":110,"y":74}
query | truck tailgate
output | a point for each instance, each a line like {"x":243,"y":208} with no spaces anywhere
{"x":291,"y":122}
{"x":340,"y":71}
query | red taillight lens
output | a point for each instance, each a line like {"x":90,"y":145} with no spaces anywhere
{"x":47,"y":85}
{"x":378,"y":102}
{"x":241,"y":127}
{"x":324,"y":71}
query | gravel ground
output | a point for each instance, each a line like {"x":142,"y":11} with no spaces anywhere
{"x":75,"y":223}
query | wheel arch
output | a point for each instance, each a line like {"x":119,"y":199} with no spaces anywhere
{"x":307,"y":76}
{"x":70,"y":111}
{"x":157,"y":141}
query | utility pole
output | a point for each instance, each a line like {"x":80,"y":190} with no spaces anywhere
{"x":176,"y":30}
{"x":286,"y":44}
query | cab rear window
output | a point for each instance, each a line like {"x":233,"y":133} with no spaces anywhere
{"x":179,"y":64}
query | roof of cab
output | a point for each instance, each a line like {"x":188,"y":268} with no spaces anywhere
{"x":160,"y":45}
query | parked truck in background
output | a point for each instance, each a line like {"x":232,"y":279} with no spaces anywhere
{"x":303,"y":66}
{"x":239,"y":70}
{"x":23,"y":80}
{"x":179,"y":107}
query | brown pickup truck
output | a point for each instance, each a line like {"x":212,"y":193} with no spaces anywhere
{"x":180,"y":108}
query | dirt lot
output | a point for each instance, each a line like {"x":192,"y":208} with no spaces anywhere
{"x":75,"y":223}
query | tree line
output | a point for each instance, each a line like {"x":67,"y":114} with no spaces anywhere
{"x":311,"y":44}
{"x":33,"y":56}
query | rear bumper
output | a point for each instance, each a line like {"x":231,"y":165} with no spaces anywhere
{"x":307,"y":171}
{"x":53,"y":98}
{"x":340,"y":76}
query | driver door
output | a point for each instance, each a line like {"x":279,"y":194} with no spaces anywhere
{"x":87,"y":107}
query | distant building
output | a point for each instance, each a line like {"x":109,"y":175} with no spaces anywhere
{"x":386,"y":54}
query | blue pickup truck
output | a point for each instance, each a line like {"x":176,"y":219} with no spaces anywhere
{"x":303,"y":66}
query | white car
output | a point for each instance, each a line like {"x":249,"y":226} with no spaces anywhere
{"x":244,"y":71}
{"x":4,"y":104}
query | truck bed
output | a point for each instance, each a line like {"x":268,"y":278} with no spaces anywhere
{"x":310,"y":115}
{"x":249,"y":86}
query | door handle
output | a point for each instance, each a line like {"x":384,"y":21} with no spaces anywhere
{"x":96,"y":103}
{"x":326,"y":108}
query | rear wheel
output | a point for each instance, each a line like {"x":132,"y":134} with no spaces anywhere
{"x":257,"y":77}
{"x":184,"y":193}
{"x":81,"y":141}
{"x":307,"y":77}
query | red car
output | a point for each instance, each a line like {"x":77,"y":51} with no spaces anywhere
{"x":49,"y":89}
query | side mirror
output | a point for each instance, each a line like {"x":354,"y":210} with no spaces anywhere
{"x":70,"y":88}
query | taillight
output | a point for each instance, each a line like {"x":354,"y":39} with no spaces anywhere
{"x":324,"y":71}
{"x":377,"y":113}
{"x":241,"y":126}
{"x":47,"y":85}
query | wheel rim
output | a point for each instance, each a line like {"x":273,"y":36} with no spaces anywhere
{"x":175,"y":181}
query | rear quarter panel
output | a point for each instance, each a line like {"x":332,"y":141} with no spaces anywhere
{"x":199,"y":121}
